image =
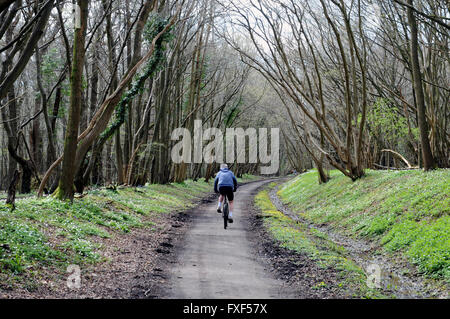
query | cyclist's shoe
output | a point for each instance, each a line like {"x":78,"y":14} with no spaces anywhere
{"x":219,"y":210}
{"x":230,"y":220}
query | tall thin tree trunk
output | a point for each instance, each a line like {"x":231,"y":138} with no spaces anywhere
{"x":428,"y":161}
{"x":65,"y":188}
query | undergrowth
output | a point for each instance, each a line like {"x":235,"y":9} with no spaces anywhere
{"x":316,"y":245}
{"x":405,"y":212}
{"x":49,"y":232}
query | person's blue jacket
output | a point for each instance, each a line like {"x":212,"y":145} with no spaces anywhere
{"x":225,"y":177}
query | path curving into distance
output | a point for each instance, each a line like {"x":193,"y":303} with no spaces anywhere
{"x":217,"y":263}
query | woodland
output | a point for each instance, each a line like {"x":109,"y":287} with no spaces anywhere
{"x":90,"y":91}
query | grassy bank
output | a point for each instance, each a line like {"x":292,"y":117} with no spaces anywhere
{"x":319,"y":248}
{"x":405,"y":212}
{"x":50,"y":234}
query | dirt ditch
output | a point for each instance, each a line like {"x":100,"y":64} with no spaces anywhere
{"x":396,"y":277}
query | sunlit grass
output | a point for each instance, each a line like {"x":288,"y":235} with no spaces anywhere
{"x":404,"y":211}
{"x":314,"y":243}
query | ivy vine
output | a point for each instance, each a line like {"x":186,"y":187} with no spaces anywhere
{"x":154,"y":26}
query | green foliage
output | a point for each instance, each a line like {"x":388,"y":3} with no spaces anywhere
{"x":48,"y":232}
{"x":84,"y":250}
{"x":51,"y":62}
{"x":404,"y":211}
{"x":384,"y":121}
{"x":283,"y":228}
{"x":22,"y":244}
{"x":154,"y":26}
{"x":426,"y":243}
{"x":56,"y":233}
{"x":232,"y":113}
{"x":314,"y":243}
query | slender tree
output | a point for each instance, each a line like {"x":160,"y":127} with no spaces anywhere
{"x":427,"y":155}
{"x":65,"y":187}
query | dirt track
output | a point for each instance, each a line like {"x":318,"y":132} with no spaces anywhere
{"x":217,"y":263}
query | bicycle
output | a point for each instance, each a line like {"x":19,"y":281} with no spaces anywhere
{"x":225,"y":212}
{"x":226,"y":209}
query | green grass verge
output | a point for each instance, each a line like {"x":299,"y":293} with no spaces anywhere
{"x":47,"y":232}
{"x":316,"y":245}
{"x":404,"y":211}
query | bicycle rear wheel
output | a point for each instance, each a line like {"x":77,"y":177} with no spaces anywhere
{"x":225,"y":215}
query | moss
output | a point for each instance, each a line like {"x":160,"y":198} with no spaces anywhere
{"x":58,"y":193}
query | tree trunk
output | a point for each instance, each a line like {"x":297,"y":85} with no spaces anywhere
{"x":428,"y":161}
{"x":11,"y":199}
{"x":65,"y":189}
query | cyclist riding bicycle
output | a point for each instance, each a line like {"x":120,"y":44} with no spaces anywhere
{"x":225,"y":184}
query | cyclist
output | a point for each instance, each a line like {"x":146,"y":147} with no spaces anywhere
{"x":225,"y":184}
